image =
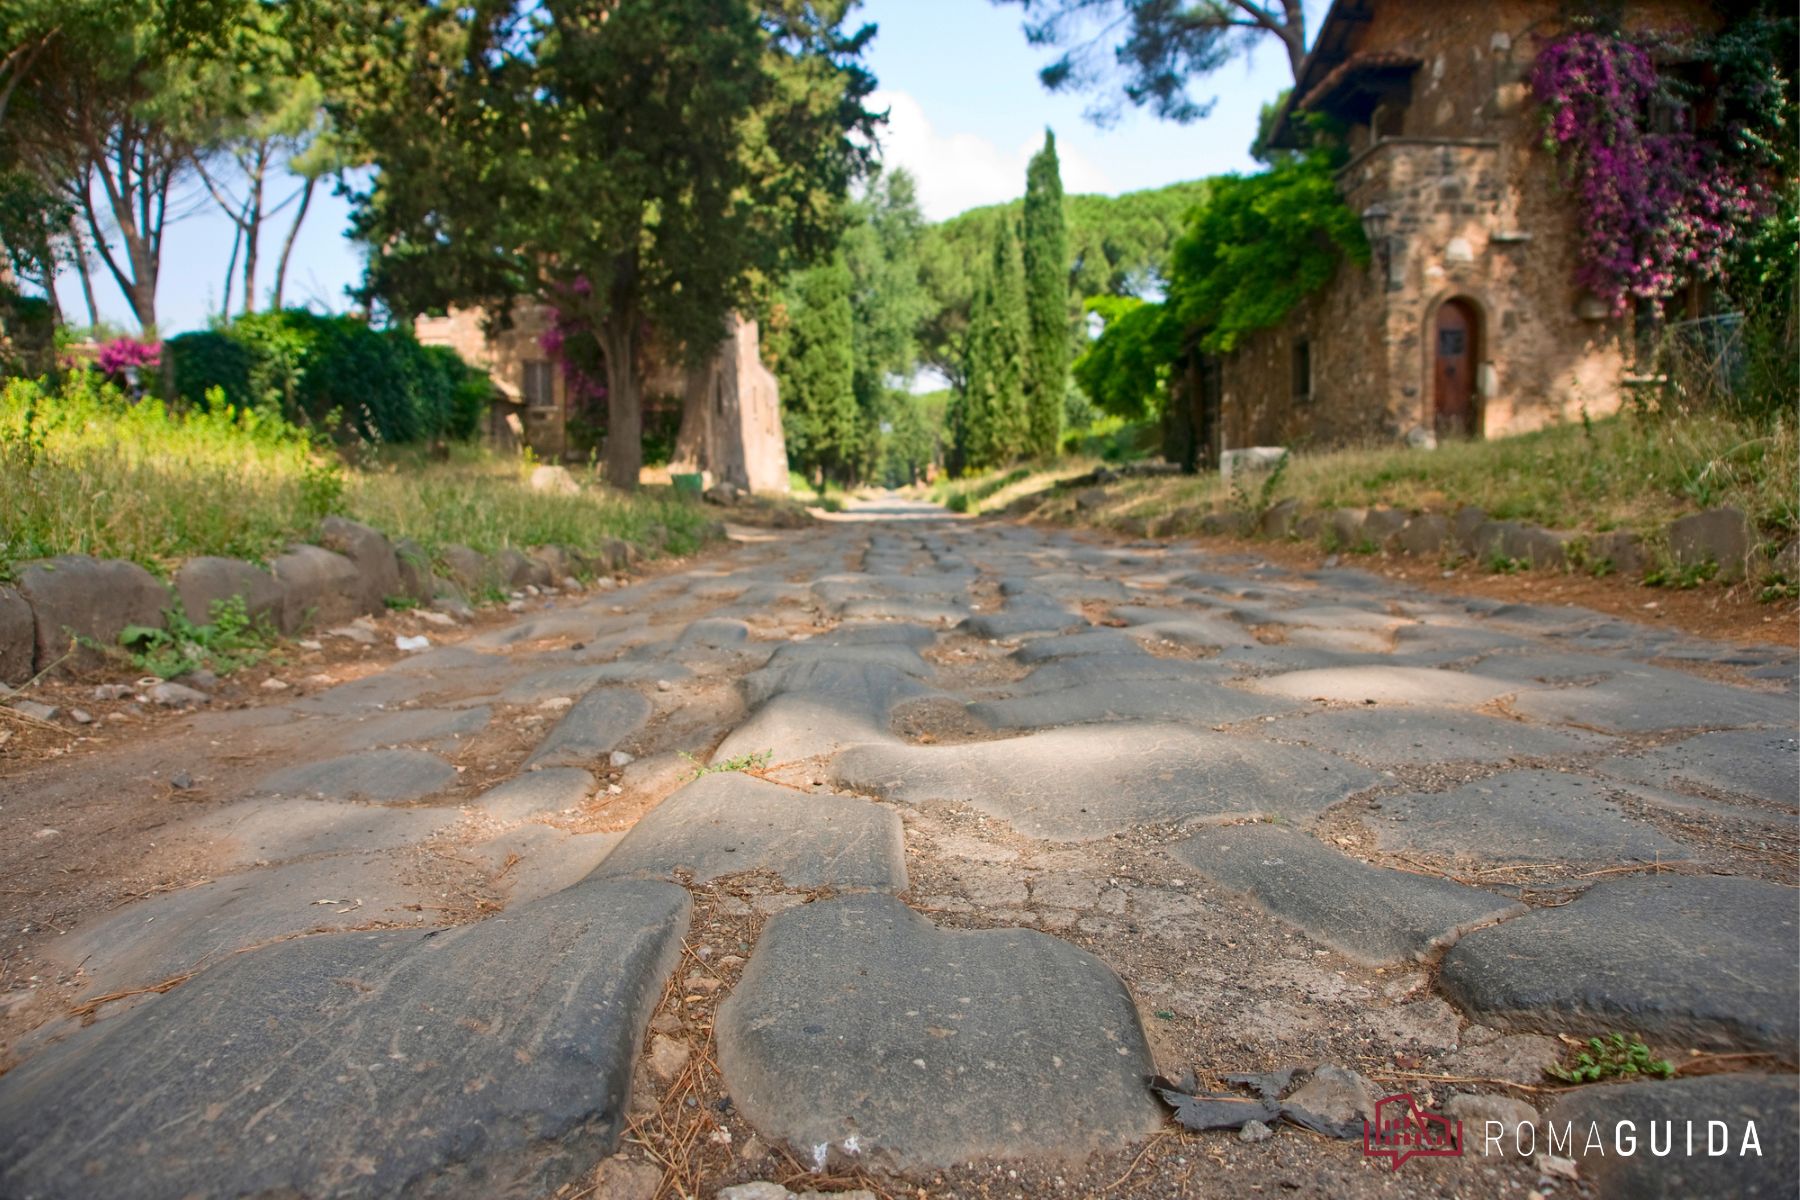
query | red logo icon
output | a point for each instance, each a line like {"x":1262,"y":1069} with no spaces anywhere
{"x":1401,"y":1131}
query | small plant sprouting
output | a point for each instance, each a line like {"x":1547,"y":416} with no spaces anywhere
{"x":744,"y":762}
{"x":1612,"y":1057}
{"x":233,"y":639}
{"x":399,"y":603}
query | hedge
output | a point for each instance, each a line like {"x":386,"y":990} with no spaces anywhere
{"x":334,"y":371}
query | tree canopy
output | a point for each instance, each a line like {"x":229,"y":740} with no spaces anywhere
{"x":1047,"y":277}
{"x":1149,"y":52}
{"x":641,"y":163}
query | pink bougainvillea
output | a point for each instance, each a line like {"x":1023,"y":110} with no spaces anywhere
{"x":116,"y":356}
{"x":1658,"y":206}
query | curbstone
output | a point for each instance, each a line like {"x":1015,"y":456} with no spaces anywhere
{"x":468,"y":569}
{"x":202,"y":582}
{"x":1381,"y":524}
{"x":1625,"y":551}
{"x":317,"y":586}
{"x":1346,"y":525}
{"x":1719,"y":535}
{"x":377,"y":567}
{"x":1463,"y":526}
{"x":1425,"y":534}
{"x":92,"y":598}
{"x":1278,"y":520}
{"x":18,"y":637}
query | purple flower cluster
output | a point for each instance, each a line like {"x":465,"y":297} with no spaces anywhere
{"x":1658,"y":207}
{"x":566,"y":327}
{"x":125,"y":352}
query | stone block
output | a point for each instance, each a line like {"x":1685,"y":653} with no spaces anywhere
{"x":1381,"y":524}
{"x":377,"y":568}
{"x":414,"y":564}
{"x":1719,"y":535}
{"x":75,"y":597}
{"x":1622,"y":549}
{"x":1424,"y":535}
{"x":468,"y":569}
{"x":1279,"y":519}
{"x":1463,"y":526}
{"x":203,"y":582}
{"x":18,"y":637}
{"x":318,"y":588}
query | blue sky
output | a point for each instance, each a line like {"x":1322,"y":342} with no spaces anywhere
{"x":960,"y":83}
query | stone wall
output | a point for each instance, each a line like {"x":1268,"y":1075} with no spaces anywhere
{"x":504,"y":356}
{"x":63,"y":609}
{"x":1477,"y":213}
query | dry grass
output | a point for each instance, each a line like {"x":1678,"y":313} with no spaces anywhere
{"x":1625,"y":472}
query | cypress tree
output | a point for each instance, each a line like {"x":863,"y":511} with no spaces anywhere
{"x":1047,"y":297}
{"x":993,"y":424}
{"x":816,"y":370}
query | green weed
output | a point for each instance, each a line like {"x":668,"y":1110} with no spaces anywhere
{"x":744,"y":762}
{"x":1611,"y":1058}
{"x":230,"y":641}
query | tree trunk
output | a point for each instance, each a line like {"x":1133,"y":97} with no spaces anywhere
{"x":253,"y":226}
{"x":81,"y":269}
{"x":691,"y":441}
{"x":624,"y":403}
{"x":237,"y":243}
{"x":287,"y":247}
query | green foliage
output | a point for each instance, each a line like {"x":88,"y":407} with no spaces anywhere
{"x":968,"y":496}
{"x":749,"y":763}
{"x":230,"y":641}
{"x":1252,"y":502}
{"x":1046,"y":259}
{"x":644,"y":164}
{"x":84,"y":471}
{"x":336,"y":372}
{"x":815,"y":362}
{"x":888,"y":302}
{"x":1117,"y":246}
{"x":1258,"y":246}
{"x":1125,"y":371}
{"x":1612,"y":1057}
{"x":989,"y":420}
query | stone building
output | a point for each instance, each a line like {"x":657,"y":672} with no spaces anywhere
{"x":1468,"y":320}
{"x":730,"y":410}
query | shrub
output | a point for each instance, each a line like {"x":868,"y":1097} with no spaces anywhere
{"x":336,"y":373}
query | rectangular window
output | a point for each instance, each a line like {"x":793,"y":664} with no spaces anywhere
{"x":1302,"y":370}
{"x":540,"y":383}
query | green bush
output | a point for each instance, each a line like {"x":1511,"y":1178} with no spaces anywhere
{"x":334,"y":372}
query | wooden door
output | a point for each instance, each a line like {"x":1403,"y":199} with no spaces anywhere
{"x":1454,"y":369}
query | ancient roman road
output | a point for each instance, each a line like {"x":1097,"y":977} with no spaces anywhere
{"x":997,"y":824}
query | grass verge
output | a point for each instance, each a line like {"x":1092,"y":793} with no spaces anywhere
{"x":85,"y":472}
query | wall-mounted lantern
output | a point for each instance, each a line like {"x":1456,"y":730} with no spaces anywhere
{"x":1376,"y":221}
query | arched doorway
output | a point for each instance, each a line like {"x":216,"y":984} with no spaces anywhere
{"x":1456,"y":350}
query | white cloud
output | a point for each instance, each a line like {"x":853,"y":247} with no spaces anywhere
{"x":958,"y":171}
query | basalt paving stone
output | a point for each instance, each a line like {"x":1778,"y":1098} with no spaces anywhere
{"x":877,"y":633}
{"x":729,"y":822}
{"x":1201,"y":702}
{"x":1333,"y":616}
{"x":593,"y":728}
{"x":847,"y":680}
{"x":1671,"y":1124}
{"x":175,"y":932}
{"x":791,"y":655}
{"x":1692,"y":960}
{"x":556,"y":681}
{"x":796,"y":725}
{"x":1066,"y":587}
{"x":1371,"y":914}
{"x":1106,"y":642}
{"x":531,"y":793}
{"x":1385,"y":685}
{"x":1016,"y":620}
{"x":1130,"y":663}
{"x":715,"y":632}
{"x":1083,"y":783}
{"x":1639,"y":703}
{"x":492,"y":1059}
{"x":1422,"y":736}
{"x":1760,"y":763}
{"x":1195,"y":631}
{"x":928,"y":612}
{"x":534,"y":861}
{"x":434,"y":727}
{"x":861,"y":1033}
{"x":384,"y":776}
{"x":276,"y":830}
{"x":1524,"y":816}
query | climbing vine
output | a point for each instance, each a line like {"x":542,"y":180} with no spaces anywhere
{"x":1663,"y":196}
